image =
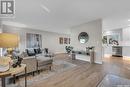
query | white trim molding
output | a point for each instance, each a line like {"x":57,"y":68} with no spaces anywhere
{"x":98,"y":62}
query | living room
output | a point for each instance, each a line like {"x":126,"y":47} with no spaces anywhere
{"x":55,"y":44}
{"x":61,"y":44}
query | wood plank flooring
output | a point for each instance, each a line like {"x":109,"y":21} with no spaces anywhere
{"x":86,"y":74}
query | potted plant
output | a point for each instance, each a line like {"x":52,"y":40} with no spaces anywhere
{"x":68,"y":49}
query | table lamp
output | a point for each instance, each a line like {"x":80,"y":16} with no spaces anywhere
{"x":8,"y":41}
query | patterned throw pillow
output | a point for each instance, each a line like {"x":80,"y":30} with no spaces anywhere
{"x":30,"y":52}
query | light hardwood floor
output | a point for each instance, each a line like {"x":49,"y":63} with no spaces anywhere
{"x":86,"y":74}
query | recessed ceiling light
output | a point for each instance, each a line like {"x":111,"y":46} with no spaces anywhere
{"x":128,"y":19}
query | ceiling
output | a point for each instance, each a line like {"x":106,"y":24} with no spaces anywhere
{"x":60,"y":15}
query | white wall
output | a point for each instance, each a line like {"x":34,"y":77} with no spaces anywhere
{"x":0,"y":27}
{"x":126,"y":41}
{"x":94,"y":30}
{"x":49,"y":39}
{"x":126,"y":36}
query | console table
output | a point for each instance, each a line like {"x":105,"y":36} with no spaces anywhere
{"x":12,"y":72}
{"x":83,"y":55}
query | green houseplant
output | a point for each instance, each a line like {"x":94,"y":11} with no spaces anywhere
{"x":68,"y":49}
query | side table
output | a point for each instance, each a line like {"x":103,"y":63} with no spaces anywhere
{"x":12,"y":72}
{"x":73,"y":56}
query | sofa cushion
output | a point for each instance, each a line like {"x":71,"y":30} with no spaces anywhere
{"x":38,"y":51}
{"x":44,"y":60}
{"x":46,"y":50}
{"x":29,"y":57}
{"x":31,"y":64}
{"x":30,"y":52}
{"x":23,"y":54}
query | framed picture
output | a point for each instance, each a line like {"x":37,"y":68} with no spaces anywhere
{"x":65,"y":40}
{"x":69,"y":41}
{"x":61,"y":40}
{"x":33,"y":40}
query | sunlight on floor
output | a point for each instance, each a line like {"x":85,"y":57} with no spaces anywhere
{"x":126,"y":58}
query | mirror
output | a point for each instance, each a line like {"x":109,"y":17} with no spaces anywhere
{"x":83,"y":37}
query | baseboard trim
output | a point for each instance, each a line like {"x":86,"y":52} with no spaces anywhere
{"x":98,"y":62}
{"x":59,"y":53}
{"x":126,"y":57}
{"x":107,"y":55}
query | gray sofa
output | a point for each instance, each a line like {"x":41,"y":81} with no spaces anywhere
{"x":35,"y":63}
{"x":31,"y":63}
{"x":43,"y":62}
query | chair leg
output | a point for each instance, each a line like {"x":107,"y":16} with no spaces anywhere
{"x":50,"y":68}
{"x":33,"y":73}
{"x":38,"y":71}
{"x":14,"y":80}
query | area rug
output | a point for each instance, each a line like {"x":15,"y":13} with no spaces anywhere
{"x":58,"y":67}
{"x":114,"y":81}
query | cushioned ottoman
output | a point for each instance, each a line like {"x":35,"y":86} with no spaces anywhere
{"x":43,"y":62}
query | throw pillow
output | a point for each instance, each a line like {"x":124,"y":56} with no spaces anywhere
{"x":31,"y":52}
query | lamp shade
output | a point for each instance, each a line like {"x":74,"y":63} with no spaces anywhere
{"x":8,"y":40}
